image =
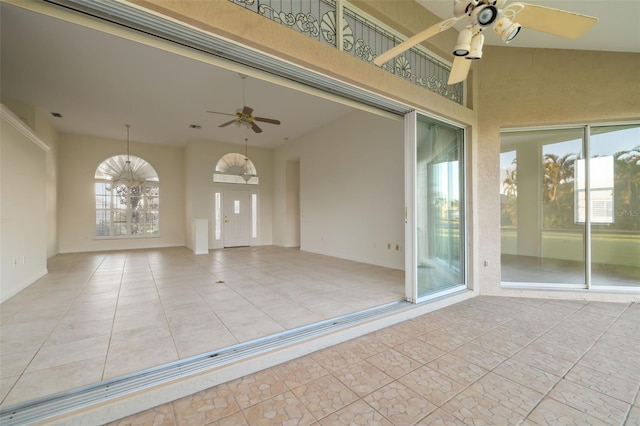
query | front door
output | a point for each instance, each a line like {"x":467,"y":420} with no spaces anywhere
{"x":236,"y":212}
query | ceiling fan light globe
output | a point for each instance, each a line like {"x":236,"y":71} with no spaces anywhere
{"x":506,"y":29}
{"x":476,"y":47}
{"x":463,"y":45}
{"x":485,"y":15}
{"x":512,"y":33}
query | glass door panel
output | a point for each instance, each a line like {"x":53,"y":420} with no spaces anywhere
{"x":614,"y":187}
{"x":541,"y":231}
{"x":439,"y":206}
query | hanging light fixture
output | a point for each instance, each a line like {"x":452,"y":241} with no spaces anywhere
{"x":127,"y":176}
{"x":246,"y":175}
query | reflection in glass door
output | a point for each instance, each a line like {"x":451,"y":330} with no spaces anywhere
{"x":542,"y":238}
{"x":570,"y":207}
{"x":439,"y":207}
{"x":614,"y":192}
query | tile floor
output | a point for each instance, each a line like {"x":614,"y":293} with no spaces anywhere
{"x":94,"y":316}
{"x":489,"y":360}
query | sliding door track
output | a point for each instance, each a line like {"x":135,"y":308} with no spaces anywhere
{"x":66,"y":402}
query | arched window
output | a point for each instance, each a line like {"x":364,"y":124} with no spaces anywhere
{"x":127,"y":198}
{"x":235,"y":168}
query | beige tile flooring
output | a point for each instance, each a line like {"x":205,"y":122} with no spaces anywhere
{"x":97,"y":316}
{"x":486,"y":361}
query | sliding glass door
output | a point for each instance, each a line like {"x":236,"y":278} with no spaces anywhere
{"x":439,"y":207}
{"x":614,"y":189}
{"x":541,"y":239}
{"x":570,"y":206}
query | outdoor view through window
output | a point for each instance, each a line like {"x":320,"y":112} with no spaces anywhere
{"x":546,"y":178}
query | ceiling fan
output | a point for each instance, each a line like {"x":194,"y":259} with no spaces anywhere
{"x":479,"y":15}
{"x":244,"y":116}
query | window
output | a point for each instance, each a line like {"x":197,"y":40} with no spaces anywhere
{"x":601,"y":184}
{"x":235,"y":168}
{"x":218,"y":216}
{"x":126,"y":209}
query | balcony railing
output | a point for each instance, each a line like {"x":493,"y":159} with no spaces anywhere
{"x":361,"y":37}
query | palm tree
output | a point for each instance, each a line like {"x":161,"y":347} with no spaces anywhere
{"x":510,"y":185}
{"x":558,"y":189}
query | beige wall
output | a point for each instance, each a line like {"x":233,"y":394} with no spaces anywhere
{"x":535,"y":87}
{"x":233,"y":22}
{"x":23,"y":220}
{"x":47,"y":133}
{"x":79,"y":156}
{"x":351,"y":189}
{"x":43,"y":129}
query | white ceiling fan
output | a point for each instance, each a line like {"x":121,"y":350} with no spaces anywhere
{"x":506,"y":20}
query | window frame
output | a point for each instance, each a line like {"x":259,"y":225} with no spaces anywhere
{"x":107,"y":206}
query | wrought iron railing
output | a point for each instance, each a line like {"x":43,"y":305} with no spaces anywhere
{"x":361,"y":37}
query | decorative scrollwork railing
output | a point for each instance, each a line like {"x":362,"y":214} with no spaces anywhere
{"x":361,"y":37}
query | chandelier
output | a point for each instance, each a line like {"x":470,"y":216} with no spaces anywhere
{"x":127,"y":176}
{"x":246,"y":175}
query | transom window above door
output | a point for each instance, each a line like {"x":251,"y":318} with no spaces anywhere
{"x":235,"y":168}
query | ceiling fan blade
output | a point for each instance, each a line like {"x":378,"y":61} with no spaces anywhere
{"x":255,"y":127}
{"x":247,"y":111}
{"x":227,"y":123}
{"x":459,"y":70}
{"x":223,"y":113}
{"x":267,"y":120}
{"x":412,"y":41}
{"x":557,"y":22}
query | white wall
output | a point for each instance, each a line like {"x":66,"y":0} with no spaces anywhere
{"x":201,"y":158}
{"x":292,"y":203}
{"x":79,"y":156}
{"x":42,"y":127}
{"x":351,"y":189}
{"x":49,"y":135}
{"x":23,"y":216}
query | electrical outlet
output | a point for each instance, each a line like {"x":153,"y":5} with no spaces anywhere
{"x":397,"y":247}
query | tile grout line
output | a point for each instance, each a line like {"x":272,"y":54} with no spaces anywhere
{"x":563,"y":377}
{"x":23,"y":372}
{"x":113,"y":320}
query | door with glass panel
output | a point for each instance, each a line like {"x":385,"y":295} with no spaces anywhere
{"x":614,"y":195}
{"x":237,"y":218}
{"x":570,"y":206}
{"x":439,"y":207}
{"x":540,"y":234}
